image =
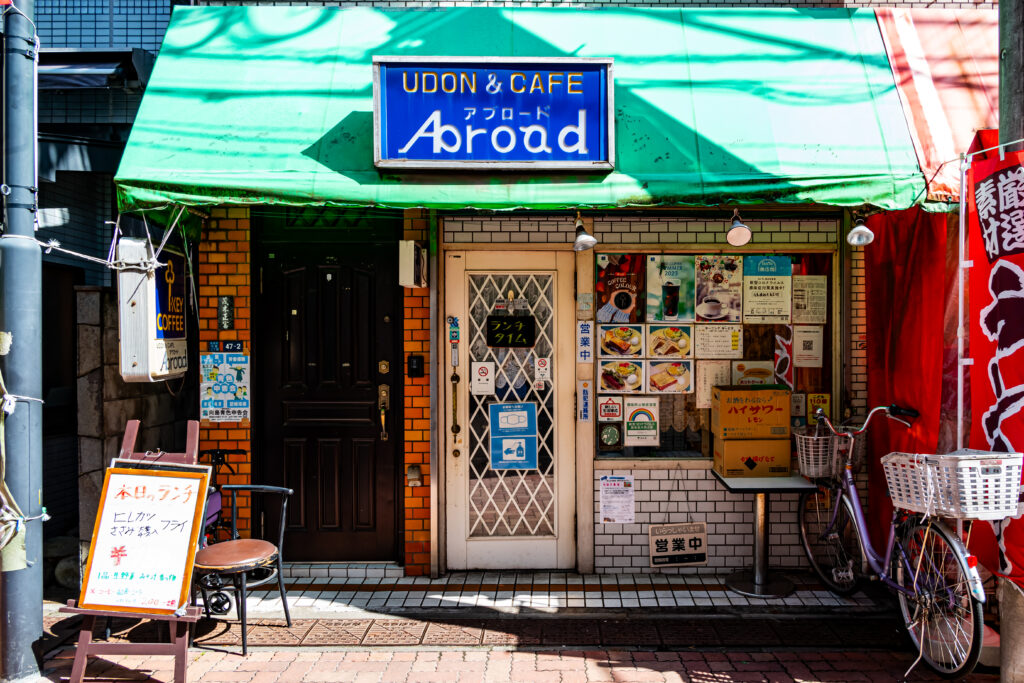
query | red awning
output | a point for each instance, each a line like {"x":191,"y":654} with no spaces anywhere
{"x":946,"y":65}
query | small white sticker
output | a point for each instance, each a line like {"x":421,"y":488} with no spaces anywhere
{"x":482,"y":378}
{"x":543,"y":369}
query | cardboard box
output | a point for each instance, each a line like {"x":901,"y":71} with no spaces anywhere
{"x":750,"y":412}
{"x":752,"y":457}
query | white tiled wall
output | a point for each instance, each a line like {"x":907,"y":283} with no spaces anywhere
{"x":677,"y":496}
{"x":639,"y":230}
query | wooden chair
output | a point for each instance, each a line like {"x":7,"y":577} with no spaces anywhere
{"x":189,"y":457}
{"x":232,"y":561}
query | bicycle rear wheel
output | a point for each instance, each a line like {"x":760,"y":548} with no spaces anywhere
{"x":942,"y":617}
{"x":833,"y":549}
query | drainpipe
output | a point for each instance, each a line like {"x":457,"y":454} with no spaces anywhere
{"x":21,"y":588}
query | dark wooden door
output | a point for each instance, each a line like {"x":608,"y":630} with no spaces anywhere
{"x":332,"y":334}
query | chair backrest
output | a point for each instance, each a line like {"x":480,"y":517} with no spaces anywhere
{"x":189,"y":457}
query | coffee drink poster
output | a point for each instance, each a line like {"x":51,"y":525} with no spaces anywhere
{"x":719,"y":289}
{"x":620,"y":288}
{"x":767,"y":289}
{"x":670,"y":284}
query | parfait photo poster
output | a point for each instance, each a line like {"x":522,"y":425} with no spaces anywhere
{"x":670,"y":287}
{"x":620,"y":289}
{"x":719,"y":289}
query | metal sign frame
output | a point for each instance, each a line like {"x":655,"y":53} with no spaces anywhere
{"x":604,"y":165}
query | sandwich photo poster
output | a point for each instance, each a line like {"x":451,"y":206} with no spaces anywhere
{"x":669,"y":376}
{"x":620,"y":289}
{"x":719,"y":289}
{"x":670,"y":283}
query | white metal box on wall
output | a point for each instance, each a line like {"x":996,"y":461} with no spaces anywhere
{"x":151,"y":313}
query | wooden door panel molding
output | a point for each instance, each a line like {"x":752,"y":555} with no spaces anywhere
{"x":330,"y":413}
{"x":330,"y":314}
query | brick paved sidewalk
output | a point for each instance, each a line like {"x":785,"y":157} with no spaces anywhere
{"x":479,"y":665}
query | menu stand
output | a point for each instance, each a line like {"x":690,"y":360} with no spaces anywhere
{"x":178,"y":647}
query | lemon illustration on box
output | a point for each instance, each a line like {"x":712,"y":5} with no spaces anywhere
{"x":513,"y":436}
{"x":641,"y":421}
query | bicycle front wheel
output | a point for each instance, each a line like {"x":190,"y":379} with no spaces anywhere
{"x":832,"y":545}
{"x":940,"y":613}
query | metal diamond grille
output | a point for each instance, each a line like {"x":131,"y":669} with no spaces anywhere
{"x":512,"y":502}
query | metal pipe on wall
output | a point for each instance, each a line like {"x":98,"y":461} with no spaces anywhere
{"x":21,"y":589}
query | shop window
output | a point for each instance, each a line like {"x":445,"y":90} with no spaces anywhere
{"x":672,"y":325}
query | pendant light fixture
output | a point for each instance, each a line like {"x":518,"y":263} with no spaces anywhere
{"x":739,"y":234}
{"x":860,"y":234}
{"x":584,"y":240}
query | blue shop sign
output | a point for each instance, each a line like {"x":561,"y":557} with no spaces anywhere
{"x":170,"y":296}
{"x":503,"y":113}
{"x":513,"y":436}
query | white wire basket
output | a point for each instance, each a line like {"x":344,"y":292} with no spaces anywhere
{"x":965,"y":484}
{"x":814,"y":454}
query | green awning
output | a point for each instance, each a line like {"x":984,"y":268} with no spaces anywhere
{"x":273,"y":105}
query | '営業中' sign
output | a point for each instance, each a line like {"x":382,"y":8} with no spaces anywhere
{"x":510,"y":113}
{"x":144,"y":540}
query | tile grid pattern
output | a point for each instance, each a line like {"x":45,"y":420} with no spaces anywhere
{"x":539,"y":229}
{"x":510,"y":592}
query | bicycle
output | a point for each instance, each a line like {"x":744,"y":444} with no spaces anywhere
{"x":937,"y":586}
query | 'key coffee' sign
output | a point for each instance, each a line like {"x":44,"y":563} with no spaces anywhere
{"x":500,"y":113}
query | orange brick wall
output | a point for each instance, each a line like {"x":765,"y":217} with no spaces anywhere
{"x":224,"y":270}
{"x":416,"y":339}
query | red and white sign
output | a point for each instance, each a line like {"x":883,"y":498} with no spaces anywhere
{"x":609,"y":409}
{"x":481,"y":377}
{"x":995,"y":214}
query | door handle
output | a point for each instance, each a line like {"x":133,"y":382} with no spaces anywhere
{"x":383,"y":404}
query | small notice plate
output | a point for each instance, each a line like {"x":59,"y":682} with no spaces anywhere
{"x":679,"y":545}
{"x":511,"y":331}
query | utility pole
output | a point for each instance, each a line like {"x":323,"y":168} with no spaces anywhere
{"x":21,"y":590}
{"x":1011,"y":127}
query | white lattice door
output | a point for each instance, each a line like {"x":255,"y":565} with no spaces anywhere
{"x":513,"y":518}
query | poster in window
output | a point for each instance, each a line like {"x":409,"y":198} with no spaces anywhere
{"x":669,"y":341}
{"x":620,"y":341}
{"x":641,"y":421}
{"x":718,"y":341}
{"x":719,"y":289}
{"x":711,"y":374}
{"x":753,"y":372}
{"x":621,"y":377}
{"x":669,"y":377}
{"x":620,"y":288}
{"x":810,"y":299}
{"x":767,"y":289}
{"x":808,"y":346}
{"x":670,"y":287}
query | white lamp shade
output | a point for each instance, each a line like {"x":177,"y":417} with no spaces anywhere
{"x":860,"y":235}
{"x":739,"y":234}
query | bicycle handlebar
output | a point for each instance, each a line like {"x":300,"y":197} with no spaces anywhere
{"x":893,"y":412}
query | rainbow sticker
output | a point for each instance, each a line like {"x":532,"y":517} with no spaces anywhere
{"x":642,"y":415}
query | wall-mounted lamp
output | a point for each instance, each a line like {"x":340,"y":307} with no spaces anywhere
{"x":860,"y":234}
{"x":584,"y":240}
{"x":413,"y":476}
{"x":739,"y":234}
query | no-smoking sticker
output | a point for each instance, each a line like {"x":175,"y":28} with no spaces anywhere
{"x":543,"y":369}
{"x":482,"y":378}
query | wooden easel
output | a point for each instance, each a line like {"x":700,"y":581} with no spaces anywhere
{"x":178,"y":624}
{"x":178,"y":647}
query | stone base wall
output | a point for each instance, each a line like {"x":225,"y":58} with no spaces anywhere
{"x":106,"y":403}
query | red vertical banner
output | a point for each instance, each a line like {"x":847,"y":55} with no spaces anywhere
{"x":995,"y":223}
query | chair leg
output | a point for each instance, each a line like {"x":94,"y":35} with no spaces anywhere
{"x":206,"y":599}
{"x":240,"y":599}
{"x":284,"y":596}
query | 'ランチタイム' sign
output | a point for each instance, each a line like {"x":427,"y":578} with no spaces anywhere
{"x":504,"y":113}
